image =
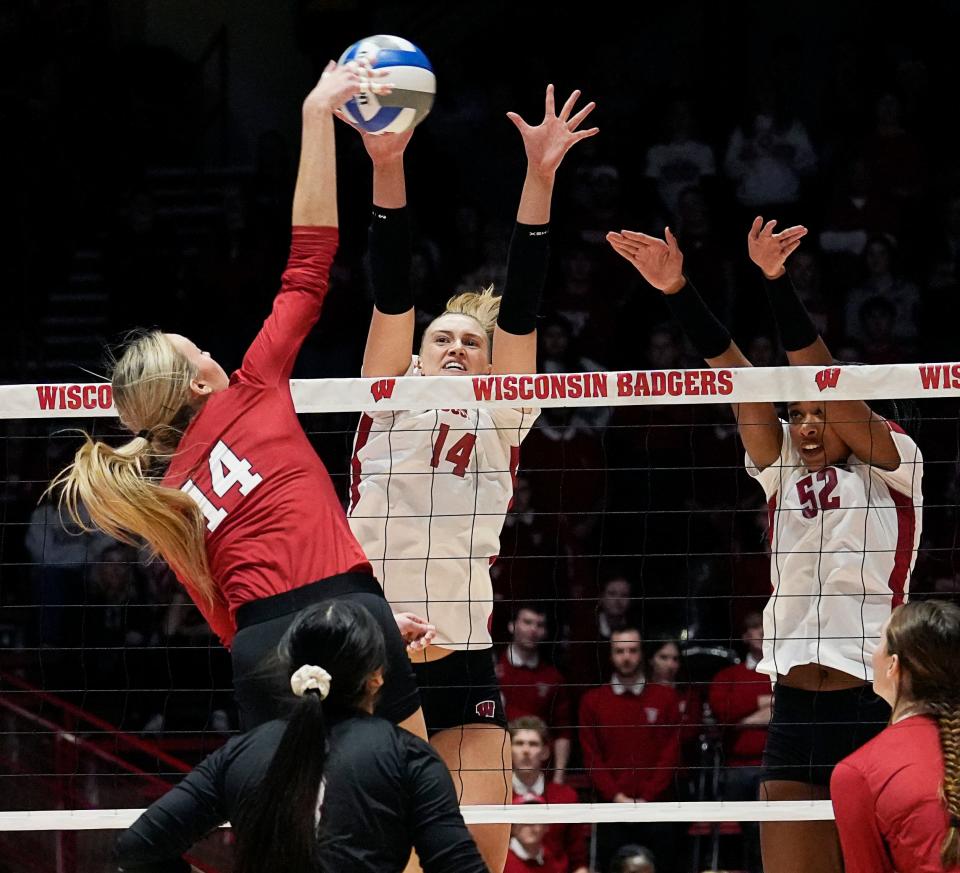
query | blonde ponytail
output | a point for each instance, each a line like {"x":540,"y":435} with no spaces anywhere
{"x":117,"y":486}
{"x":484,"y":306}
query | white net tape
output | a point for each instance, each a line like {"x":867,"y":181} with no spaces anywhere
{"x":527,"y":813}
{"x":623,"y":388}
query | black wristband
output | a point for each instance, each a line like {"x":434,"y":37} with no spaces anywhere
{"x":389,"y":249}
{"x":526,"y":276}
{"x":797,"y":330}
{"x":709,"y":337}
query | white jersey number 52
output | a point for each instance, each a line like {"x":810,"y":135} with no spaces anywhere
{"x":226,"y":471}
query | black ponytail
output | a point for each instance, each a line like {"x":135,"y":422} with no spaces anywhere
{"x":276,"y":825}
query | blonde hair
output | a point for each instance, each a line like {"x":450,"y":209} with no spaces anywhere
{"x":118,"y":486}
{"x":483,"y":306}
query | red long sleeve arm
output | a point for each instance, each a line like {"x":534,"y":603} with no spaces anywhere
{"x":296,"y":307}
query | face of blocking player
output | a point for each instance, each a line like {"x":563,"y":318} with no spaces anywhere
{"x":455,"y":345}
{"x":210,"y":377}
{"x":528,"y":629}
{"x":815,"y":441}
{"x":665,"y":664}
{"x":626,"y":655}
{"x":528,"y":750}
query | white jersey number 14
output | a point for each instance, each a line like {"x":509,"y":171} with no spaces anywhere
{"x":226,"y":470}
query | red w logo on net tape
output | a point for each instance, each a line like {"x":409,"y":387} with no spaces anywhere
{"x":383,"y":388}
{"x":828,"y":378}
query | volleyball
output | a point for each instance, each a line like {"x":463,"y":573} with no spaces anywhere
{"x":411,"y":75}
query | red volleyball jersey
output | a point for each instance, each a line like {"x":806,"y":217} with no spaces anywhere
{"x":886,"y":798}
{"x":274,"y":521}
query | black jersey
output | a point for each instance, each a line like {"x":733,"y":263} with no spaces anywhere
{"x":386,"y":792}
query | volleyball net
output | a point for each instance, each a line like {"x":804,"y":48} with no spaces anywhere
{"x":631,"y":508}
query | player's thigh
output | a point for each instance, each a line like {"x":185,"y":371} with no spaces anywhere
{"x":478,"y":757}
{"x":416,"y":725}
{"x":798,"y":846}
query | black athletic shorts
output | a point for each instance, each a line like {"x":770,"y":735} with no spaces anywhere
{"x":812,"y":731}
{"x":460,"y":689}
{"x":261,"y":682}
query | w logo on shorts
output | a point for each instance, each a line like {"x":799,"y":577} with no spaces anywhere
{"x":382,"y":388}
{"x":828,"y":378}
{"x":487,"y":708}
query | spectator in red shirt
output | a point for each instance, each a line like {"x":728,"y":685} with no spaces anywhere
{"x":532,"y":687}
{"x":740,"y":699}
{"x":591,"y":624}
{"x":630,"y":735}
{"x":527,"y":850}
{"x":897,"y":798}
{"x":565,"y":846}
{"x":663,"y":665}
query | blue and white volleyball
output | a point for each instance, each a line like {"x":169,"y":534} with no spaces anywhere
{"x":411,"y":75}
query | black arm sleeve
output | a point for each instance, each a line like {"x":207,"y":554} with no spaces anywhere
{"x":442,"y":841}
{"x":709,"y":337}
{"x":797,"y":330}
{"x":526,"y":275}
{"x":390,"y":260}
{"x":156,"y":841}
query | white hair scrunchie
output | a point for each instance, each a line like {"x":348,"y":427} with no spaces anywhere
{"x":310,"y":678}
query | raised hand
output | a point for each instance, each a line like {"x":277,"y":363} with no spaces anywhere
{"x":659,"y":261}
{"x":383,"y":148}
{"x":338,"y":84}
{"x":547,"y":142}
{"x":769,"y":250}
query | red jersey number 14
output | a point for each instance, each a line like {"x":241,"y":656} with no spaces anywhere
{"x":226,"y":471}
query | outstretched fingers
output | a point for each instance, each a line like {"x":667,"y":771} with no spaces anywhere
{"x":642,"y":238}
{"x":549,"y":107}
{"x":519,"y":123}
{"x":798,"y":231}
{"x":574,"y":122}
{"x":568,"y":106}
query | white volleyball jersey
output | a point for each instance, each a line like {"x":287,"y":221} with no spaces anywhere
{"x":843,"y":544}
{"x":429,"y":493}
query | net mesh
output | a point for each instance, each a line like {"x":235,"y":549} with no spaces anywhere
{"x":631,"y":500}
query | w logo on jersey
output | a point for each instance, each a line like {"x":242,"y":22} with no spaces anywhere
{"x":487,"y":708}
{"x":383,"y":388}
{"x":828,"y":378}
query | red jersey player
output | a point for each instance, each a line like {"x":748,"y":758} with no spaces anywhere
{"x":220,"y":479}
{"x":897,"y":799}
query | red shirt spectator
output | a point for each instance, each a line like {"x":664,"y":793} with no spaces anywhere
{"x":531,"y":687}
{"x":526,"y":850}
{"x":630,"y":729}
{"x":565,"y":846}
{"x":740,"y":698}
